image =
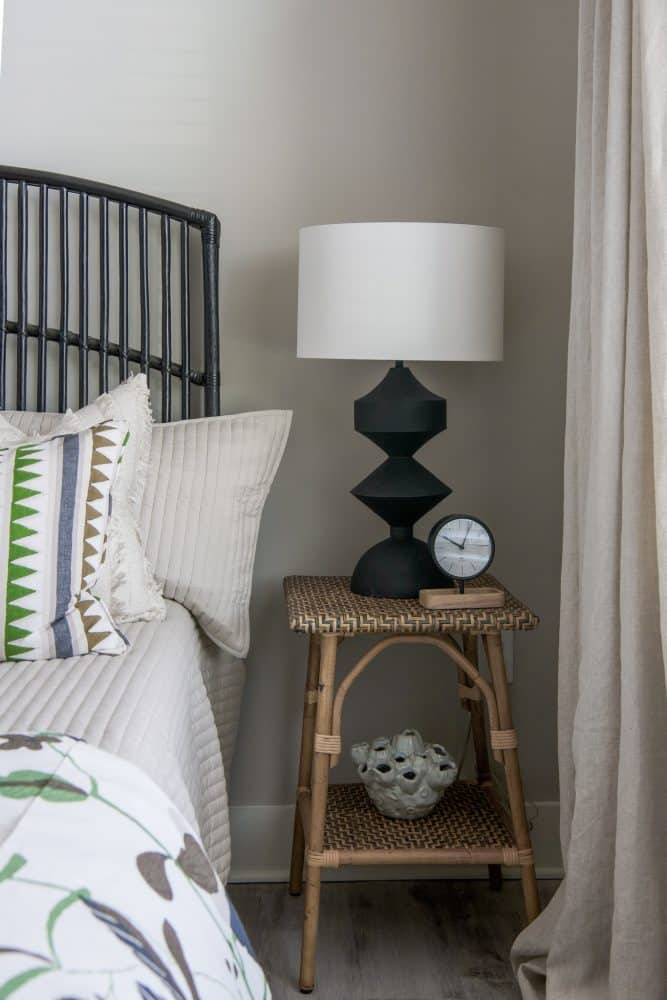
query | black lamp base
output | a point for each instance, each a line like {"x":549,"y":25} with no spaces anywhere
{"x":399,"y":415}
{"x":396,"y":568}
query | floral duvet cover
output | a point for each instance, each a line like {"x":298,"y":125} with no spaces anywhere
{"x":105,"y":891}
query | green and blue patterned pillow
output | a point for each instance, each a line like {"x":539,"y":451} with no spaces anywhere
{"x":55,"y":501}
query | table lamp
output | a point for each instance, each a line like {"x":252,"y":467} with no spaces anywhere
{"x":421,"y":291}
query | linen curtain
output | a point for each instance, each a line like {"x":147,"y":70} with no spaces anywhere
{"x":604,"y":935}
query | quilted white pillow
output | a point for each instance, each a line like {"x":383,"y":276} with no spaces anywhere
{"x":126,"y":582}
{"x":54,"y":515}
{"x":207,"y":483}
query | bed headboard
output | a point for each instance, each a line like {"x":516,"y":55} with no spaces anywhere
{"x":95,"y":281}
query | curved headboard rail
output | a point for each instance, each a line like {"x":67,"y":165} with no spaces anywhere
{"x":130,"y":224}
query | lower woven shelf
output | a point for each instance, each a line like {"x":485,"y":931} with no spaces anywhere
{"x":466,"y":827}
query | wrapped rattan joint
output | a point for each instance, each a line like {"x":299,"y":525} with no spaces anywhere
{"x":504,"y":739}
{"x":322,"y":859}
{"x":327,"y":744}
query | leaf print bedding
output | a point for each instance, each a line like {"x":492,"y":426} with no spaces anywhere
{"x":105,"y":892}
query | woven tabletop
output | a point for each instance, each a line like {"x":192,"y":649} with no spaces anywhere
{"x":464,"y":818}
{"x":325,"y":604}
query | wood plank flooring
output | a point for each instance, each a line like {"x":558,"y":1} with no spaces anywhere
{"x":441,"y":940}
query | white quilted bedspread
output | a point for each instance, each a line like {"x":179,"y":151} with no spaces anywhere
{"x":168,"y":705}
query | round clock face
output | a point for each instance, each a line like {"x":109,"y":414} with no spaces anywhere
{"x":461,"y":546}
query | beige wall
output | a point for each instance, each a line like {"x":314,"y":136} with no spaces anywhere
{"x":282,"y":113}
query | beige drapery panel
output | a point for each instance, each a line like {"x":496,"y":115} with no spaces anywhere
{"x":604,"y":935}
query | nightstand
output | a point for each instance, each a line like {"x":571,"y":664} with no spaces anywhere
{"x":337,"y":825}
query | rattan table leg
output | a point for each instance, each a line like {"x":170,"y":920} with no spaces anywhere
{"x":478,"y":729}
{"x":319,"y":790}
{"x":494,"y":652}
{"x":476,"y":710}
{"x":305,"y":762}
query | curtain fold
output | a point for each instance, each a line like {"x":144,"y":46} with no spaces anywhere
{"x":604,"y":935}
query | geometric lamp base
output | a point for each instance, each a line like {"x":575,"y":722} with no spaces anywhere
{"x":397,"y":568}
{"x":399,"y":415}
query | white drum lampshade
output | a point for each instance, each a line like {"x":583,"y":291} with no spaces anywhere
{"x":419,"y":291}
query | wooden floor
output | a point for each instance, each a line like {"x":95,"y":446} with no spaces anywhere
{"x":441,"y":940}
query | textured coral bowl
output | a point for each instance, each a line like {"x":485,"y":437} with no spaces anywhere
{"x":404,"y":777}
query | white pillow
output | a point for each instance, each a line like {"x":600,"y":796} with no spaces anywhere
{"x":54,"y":515}
{"x":126,"y":582}
{"x":207,"y":483}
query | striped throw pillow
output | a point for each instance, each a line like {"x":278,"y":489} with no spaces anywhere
{"x":55,"y":501}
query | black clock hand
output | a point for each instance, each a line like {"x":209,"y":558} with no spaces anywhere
{"x":457,"y":544}
{"x":467,"y":533}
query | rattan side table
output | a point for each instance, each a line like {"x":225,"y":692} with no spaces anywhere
{"x":336,"y":824}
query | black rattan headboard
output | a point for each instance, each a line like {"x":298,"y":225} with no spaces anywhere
{"x":52,"y":303}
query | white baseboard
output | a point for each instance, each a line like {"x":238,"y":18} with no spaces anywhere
{"x":262,"y":837}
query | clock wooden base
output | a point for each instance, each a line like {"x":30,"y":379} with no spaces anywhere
{"x":450,"y":597}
